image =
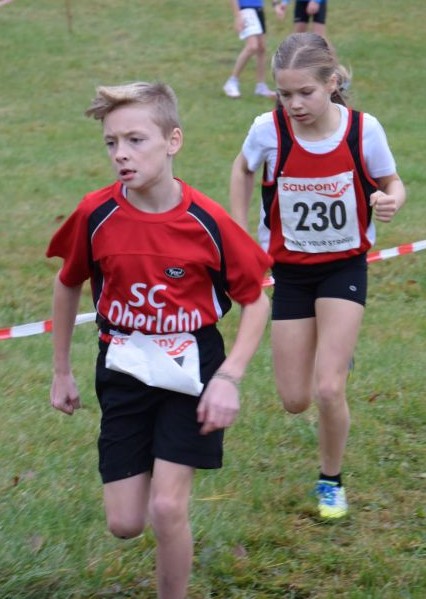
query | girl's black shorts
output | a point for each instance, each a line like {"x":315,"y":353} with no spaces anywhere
{"x":297,"y":287}
{"x":140,"y":423}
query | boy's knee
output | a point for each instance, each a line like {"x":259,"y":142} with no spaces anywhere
{"x":167,"y":515}
{"x":125,"y":529}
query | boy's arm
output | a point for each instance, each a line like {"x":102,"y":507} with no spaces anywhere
{"x":64,"y":394}
{"x":241,"y":191}
{"x":219,"y":405}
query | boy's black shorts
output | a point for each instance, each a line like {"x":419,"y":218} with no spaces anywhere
{"x":140,"y":423}
{"x":301,"y":16}
{"x":297,"y":288}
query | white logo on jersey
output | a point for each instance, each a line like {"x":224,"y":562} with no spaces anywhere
{"x":175,"y":272}
{"x":160,"y":321}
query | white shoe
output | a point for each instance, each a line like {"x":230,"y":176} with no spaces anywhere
{"x":231,"y":88}
{"x":262,"y":89}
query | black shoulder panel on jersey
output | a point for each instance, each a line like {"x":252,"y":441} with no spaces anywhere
{"x":285,"y":141}
{"x":98,"y":216}
{"x":219,"y":278}
{"x":354,"y":142}
{"x":284,"y":146}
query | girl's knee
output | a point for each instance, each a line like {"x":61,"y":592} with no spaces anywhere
{"x":294,"y":403}
{"x":296,"y":406}
{"x":252,"y":46}
{"x":329,"y":394}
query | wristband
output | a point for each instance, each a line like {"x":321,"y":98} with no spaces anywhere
{"x":220,"y":374}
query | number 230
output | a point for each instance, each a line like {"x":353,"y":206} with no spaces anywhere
{"x":327,"y":215}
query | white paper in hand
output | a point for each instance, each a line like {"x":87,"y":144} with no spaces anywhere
{"x":167,"y":361}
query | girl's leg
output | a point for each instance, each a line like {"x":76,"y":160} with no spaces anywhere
{"x":338,"y":325}
{"x":300,"y":27}
{"x":261,"y":58}
{"x":293,"y":350}
{"x":169,"y":505}
{"x":250,"y":49}
{"x":318,"y":28}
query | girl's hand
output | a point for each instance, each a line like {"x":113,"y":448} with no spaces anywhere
{"x":384,"y":206}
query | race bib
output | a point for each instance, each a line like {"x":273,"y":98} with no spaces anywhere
{"x":319,"y":215}
{"x":167,"y":361}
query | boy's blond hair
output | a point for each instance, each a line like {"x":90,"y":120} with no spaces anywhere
{"x":159,"y":95}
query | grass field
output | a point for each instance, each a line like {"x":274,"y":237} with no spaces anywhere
{"x":255,"y":529}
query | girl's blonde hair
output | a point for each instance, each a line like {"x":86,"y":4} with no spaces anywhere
{"x":311,"y":51}
{"x":160,"y":96}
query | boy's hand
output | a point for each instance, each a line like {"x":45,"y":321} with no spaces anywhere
{"x":64,"y":394}
{"x":219,"y":405}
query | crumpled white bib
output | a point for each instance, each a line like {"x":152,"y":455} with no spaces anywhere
{"x":168,"y":361}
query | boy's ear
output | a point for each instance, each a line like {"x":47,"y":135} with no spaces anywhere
{"x":175,"y":141}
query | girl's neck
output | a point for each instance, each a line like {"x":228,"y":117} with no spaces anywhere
{"x":325,"y":125}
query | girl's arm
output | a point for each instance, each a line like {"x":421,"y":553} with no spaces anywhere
{"x":241,"y":191}
{"x":389,"y":198}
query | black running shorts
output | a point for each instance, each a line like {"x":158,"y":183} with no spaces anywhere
{"x":297,"y":288}
{"x":140,"y":423}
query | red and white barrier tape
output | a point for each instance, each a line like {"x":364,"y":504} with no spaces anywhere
{"x":408,"y":248}
{"x":45,"y":326}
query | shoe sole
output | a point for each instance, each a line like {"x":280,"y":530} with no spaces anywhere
{"x":332,"y":514}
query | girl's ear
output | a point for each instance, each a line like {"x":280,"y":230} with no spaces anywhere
{"x":332,"y":83}
{"x":175,"y":141}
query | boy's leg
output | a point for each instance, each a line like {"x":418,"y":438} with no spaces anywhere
{"x":168,"y":508}
{"x":126,"y":505}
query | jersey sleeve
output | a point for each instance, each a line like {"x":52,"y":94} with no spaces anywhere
{"x":261,"y":144}
{"x":377,"y":154}
{"x":71,"y":242}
